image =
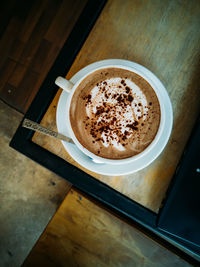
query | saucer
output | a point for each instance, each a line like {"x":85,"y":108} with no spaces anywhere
{"x":120,"y":169}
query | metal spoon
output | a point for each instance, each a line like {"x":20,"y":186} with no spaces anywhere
{"x":41,"y":129}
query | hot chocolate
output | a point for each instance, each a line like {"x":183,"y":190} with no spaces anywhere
{"x":115,"y":113}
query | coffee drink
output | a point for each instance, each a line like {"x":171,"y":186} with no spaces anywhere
{"x":115,"y":113}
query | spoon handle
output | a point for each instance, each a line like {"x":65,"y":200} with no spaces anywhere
{"x":41,"y":129}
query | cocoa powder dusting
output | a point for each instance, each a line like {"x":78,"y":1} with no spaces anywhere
{"x":112,"y":113}
{"x":111,"y":125}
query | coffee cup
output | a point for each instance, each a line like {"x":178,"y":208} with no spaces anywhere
{"x":115,"y":114}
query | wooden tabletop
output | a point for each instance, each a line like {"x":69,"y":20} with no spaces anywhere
{"x":164,"y":37}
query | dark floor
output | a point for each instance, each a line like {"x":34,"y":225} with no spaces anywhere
{"x":29,"y":195}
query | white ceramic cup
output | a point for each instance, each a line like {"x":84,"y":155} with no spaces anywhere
{"x":71,"y":88}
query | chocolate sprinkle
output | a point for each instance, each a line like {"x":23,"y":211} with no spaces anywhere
{"x":119,"y":99}
{"x":127,"y":89}
{"x":110,"y":125}
{"x":130,"y":98}
{"x":132,"y":126}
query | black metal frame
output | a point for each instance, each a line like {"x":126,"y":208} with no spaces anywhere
{"x":82,"y":181}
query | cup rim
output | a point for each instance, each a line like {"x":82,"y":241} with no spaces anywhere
{"x":149,"y":148}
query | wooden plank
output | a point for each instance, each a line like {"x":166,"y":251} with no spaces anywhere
{"x":27,"y":28}
{"x":60,"y":25}
{"x":6,"y":71}
{"x":39,"y":31}
{"x":8,"y":38}
{"x":17,"y":75}
{"x":22,"y":9}
{"x":84,"y":234}
{"x":16,"y":49}
{"x":13,"y":96}
{"x":39,"y":61}
{"x":35,"y":13}
{"x":7,"y":8}
{"x":9,"y":93}
{"x":27,"y":85}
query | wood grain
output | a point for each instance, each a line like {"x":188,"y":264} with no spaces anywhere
{"x":32,"y":34}
{"x":164,"y":37}
{"x":84,"y":234}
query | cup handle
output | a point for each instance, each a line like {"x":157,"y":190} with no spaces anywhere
{"x":64,"y":84}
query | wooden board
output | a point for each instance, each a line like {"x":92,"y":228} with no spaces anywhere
{"x":164,"y":37}
{"x":84,"y":234}
{"x":32,"y":34}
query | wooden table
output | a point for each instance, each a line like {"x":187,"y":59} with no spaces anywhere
{"x":151,"y":33}
{"x":164,"y":37}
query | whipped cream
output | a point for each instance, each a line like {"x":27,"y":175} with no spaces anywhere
{"x":115,"y":106}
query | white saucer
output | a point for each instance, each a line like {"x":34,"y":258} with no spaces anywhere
{"x":121,"y":169}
